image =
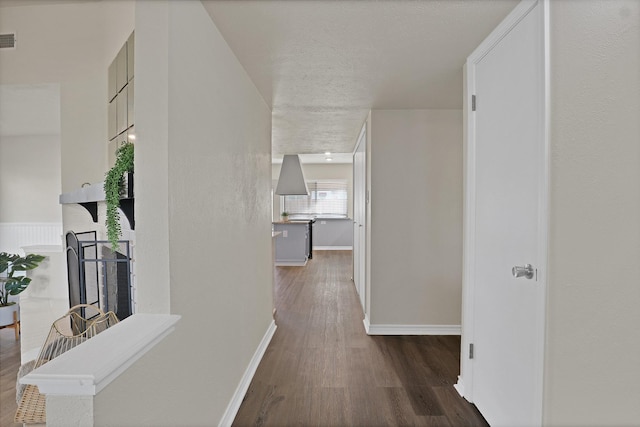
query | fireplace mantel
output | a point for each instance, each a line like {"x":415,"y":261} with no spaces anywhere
{"x":90,"y":195}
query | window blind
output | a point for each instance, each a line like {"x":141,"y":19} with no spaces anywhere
{"x":326,"y":197}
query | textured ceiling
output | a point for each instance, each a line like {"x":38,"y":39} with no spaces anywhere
{"x":322,"y":65}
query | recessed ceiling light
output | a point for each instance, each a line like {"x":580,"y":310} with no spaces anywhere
{"x":329,"y":159}
{"x":327,"y":153}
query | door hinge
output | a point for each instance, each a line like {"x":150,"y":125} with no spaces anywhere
{"x":470,"y":350}
{"x":473,"y":103}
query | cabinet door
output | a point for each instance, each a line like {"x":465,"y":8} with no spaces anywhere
{"x":291,"y":245}
{"x":121,"y":110}
{"x":130,"y":62}
{"x":112,"y":87}
{"x":112,"y":123}
{"x":111,"y":152}
{"x":121,"y":68}
{"x":131,"y":134}
{"x":130,"y":118}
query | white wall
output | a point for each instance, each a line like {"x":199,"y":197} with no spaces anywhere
{"x":416,"y":217}
{"x":593,"y":340}
{"x":30,"y":178}
{"x":70,"y":45}
{"x":319,"y":171}
{"x":214,"y":202}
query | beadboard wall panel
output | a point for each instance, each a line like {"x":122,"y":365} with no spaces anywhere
{"x":15,"y":235}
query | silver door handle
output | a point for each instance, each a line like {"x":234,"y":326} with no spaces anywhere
{"x":523,"y":271}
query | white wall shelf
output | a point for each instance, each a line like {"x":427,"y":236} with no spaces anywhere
{"x":89,"y":196}
{"x":88,"y":368}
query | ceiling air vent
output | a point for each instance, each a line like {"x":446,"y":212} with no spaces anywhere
{"x":7,"y":41}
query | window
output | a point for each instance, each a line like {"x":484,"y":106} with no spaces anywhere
{"x":326,"y":197}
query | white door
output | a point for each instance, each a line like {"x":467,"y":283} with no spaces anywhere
{"x":507,"y":144}
{"x":359,"y":215}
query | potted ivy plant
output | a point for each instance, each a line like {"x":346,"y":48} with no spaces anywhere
{"x":113,"y":188}
{"x":12,"y":284}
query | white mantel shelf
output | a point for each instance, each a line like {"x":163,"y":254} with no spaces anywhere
{"x":88,"y":368}
{"x":89,"y":193}
{"x":89,"y":196}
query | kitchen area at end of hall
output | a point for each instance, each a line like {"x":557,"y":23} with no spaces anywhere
{"x":312,"y":206}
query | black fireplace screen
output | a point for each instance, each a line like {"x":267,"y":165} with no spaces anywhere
{"x":97,"y":275}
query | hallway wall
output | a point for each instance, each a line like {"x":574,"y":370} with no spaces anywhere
{"x":592,"y":373}
{"x":416,"y":217}
{"x":203,"y":176}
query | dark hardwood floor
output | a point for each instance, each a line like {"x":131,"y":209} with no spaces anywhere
{"x":9,"y":365}
{"x":321,"y":369}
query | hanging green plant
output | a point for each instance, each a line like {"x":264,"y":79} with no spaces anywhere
{"x":113,"y":187}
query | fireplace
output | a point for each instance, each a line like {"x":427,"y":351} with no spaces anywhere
{"x":97,"y":275}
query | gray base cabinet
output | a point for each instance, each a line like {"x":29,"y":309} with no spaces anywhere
{"x":333,"y":233}
{"x":292,"y":245}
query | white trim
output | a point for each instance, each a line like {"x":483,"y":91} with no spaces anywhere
{"x":84,"y":371}
{"x":465,"y":380}
{"x":236,"y":400}
{"x":543,"y":215}
{"x":367,"y":324}
{"x":412,"y":329}
{"x":517,"y":14}
{"x":333,"y":248}
{"x":359,"y":139}
{"x":459,"y":386}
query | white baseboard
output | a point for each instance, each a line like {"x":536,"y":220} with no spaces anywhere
{"x":367,"y":324}
{"x":411,"y":329}
{"x":459,"y":386}
{"x":236,"y":400}
{"x":333,"y":248}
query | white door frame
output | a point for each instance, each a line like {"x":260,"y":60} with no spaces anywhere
{"x":465,"y":381}
{"x":358,"y":212}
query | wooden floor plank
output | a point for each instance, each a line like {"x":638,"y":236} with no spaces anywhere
{"x":321,"y":369}
{"x":9,"y":365}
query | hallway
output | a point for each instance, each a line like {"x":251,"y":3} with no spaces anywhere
{"x":322,"y":369}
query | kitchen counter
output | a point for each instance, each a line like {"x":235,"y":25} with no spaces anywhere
{"x":293,"y":221}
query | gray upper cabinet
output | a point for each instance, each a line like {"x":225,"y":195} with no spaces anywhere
{"x":112,"y":123}
{"x":112,"y":86}
{"x":130,"y":48}
{"x":130,"y":89}
{"x":121,"y":111}
{"x":121,"y":68}
{"x":120,"y":96}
